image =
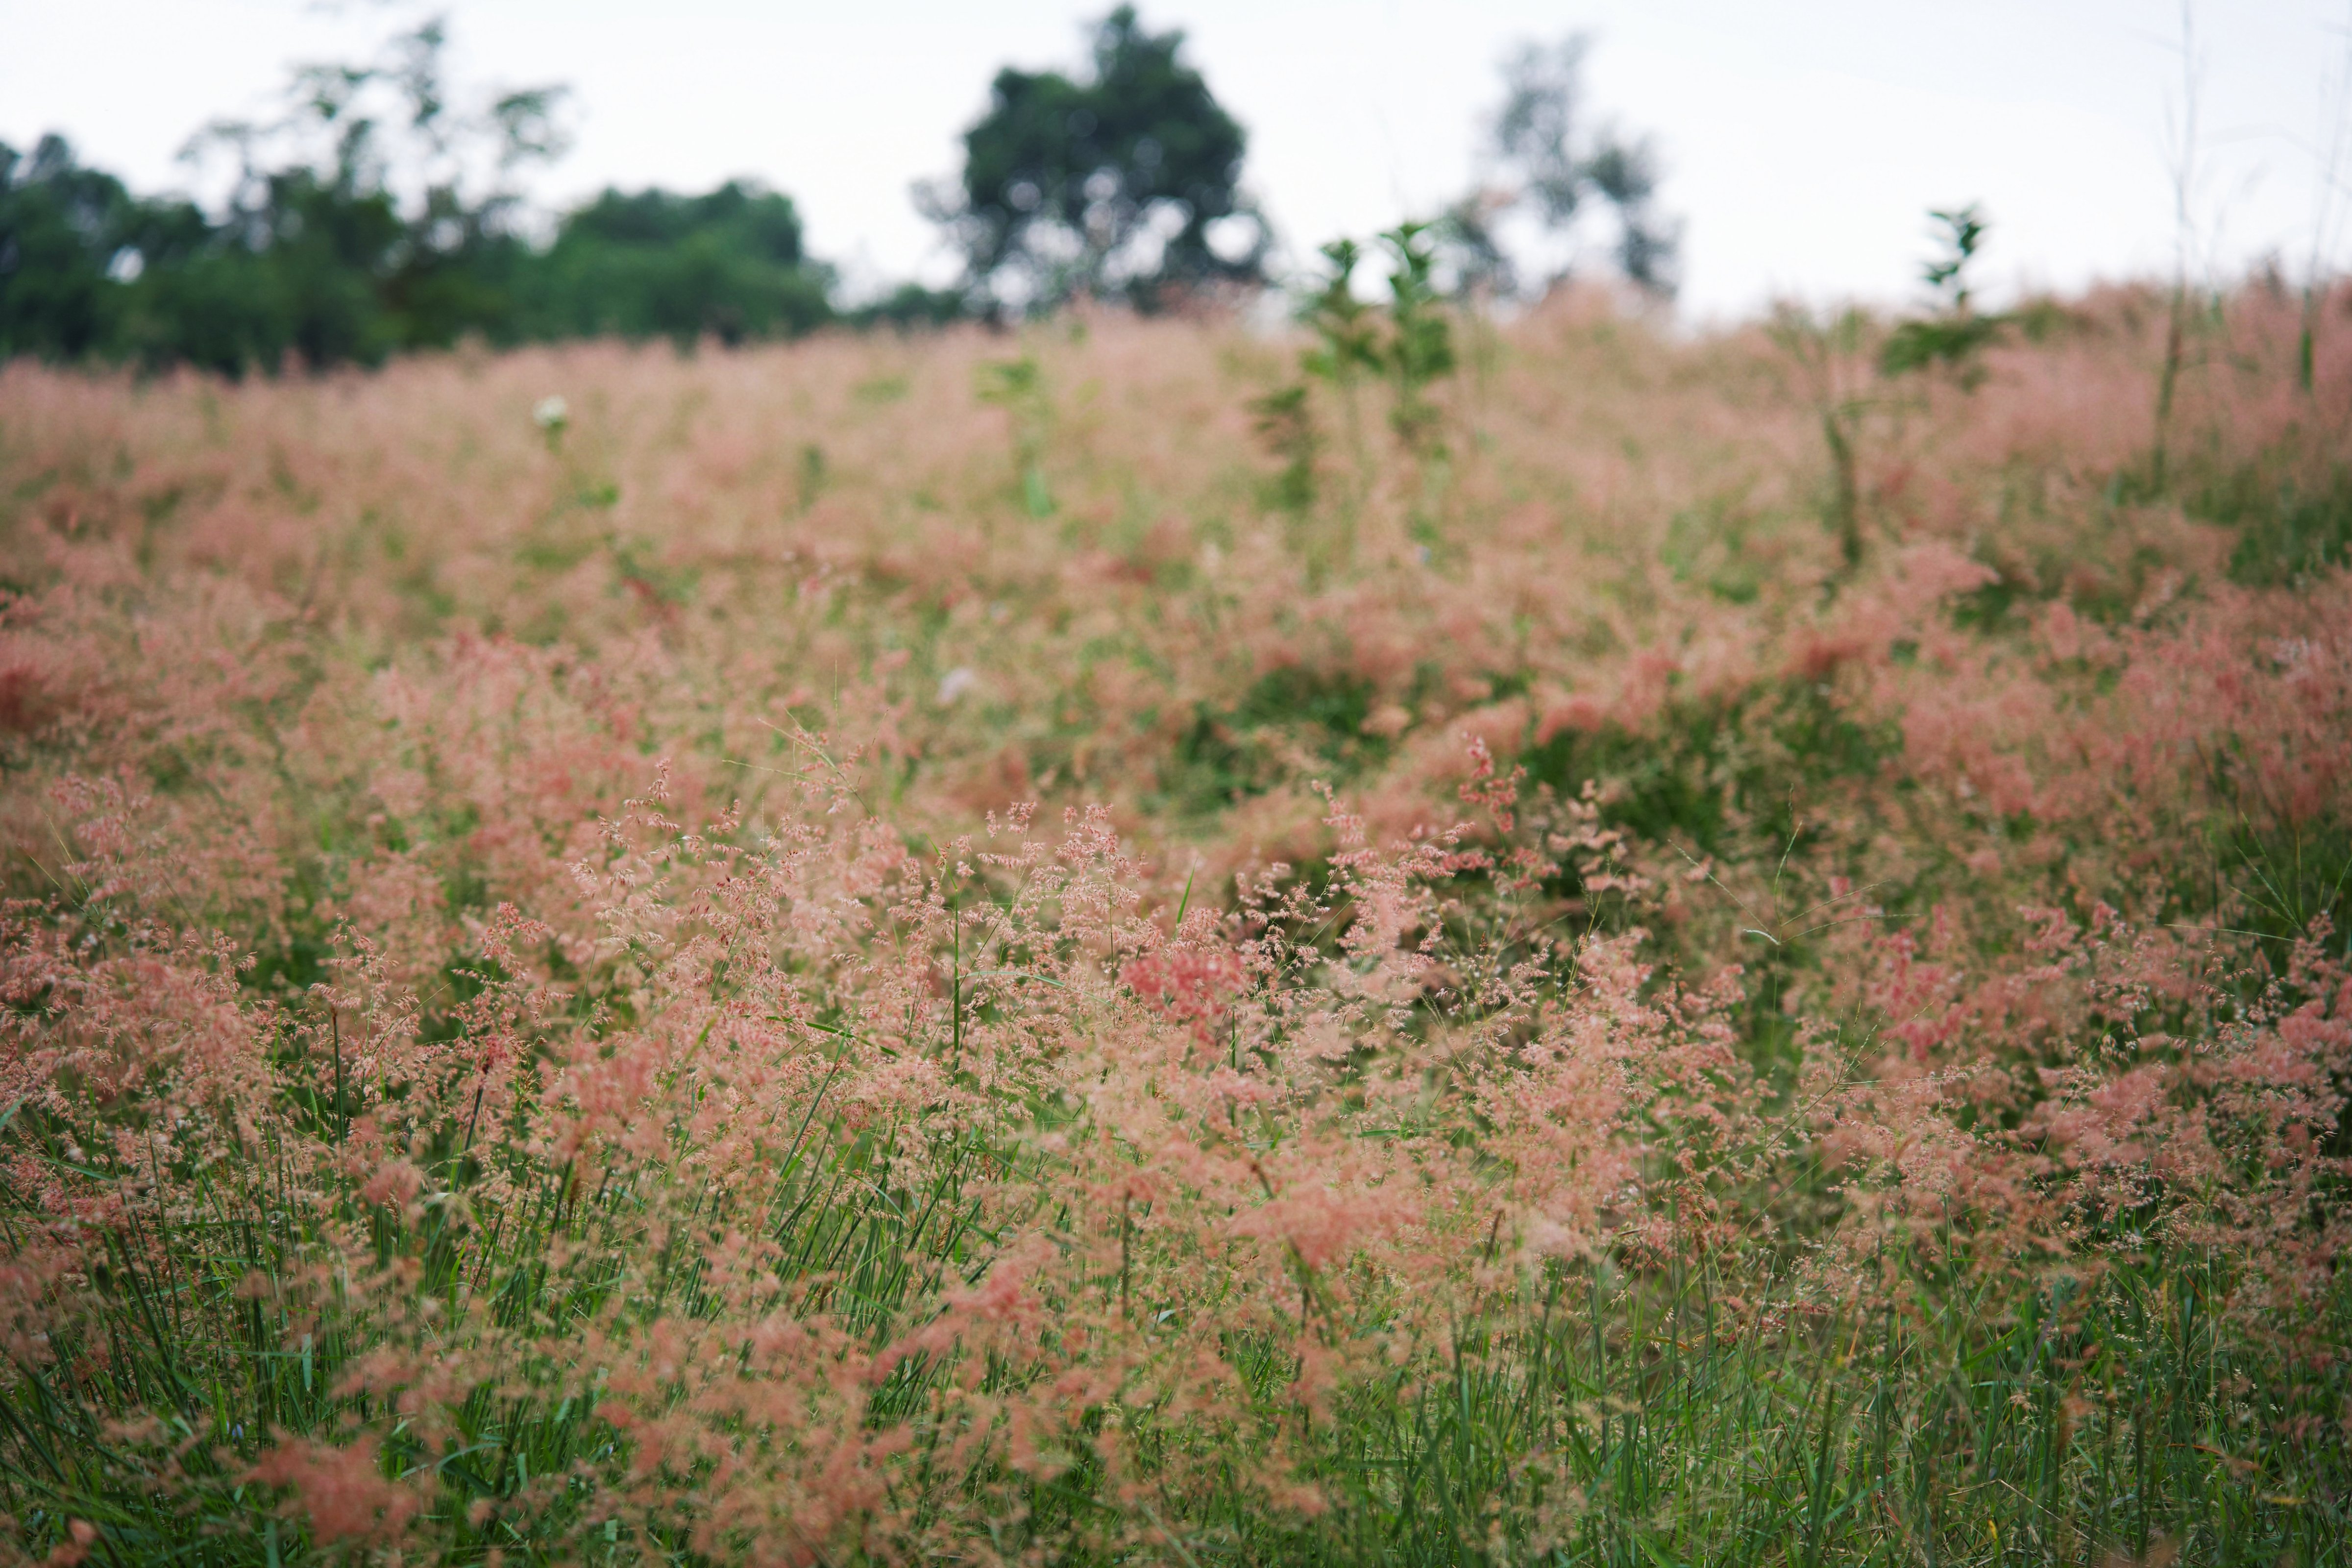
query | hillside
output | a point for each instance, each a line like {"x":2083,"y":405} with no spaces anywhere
{"x":1018,"y":947}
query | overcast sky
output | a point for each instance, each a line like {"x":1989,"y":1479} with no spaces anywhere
{"x":1803,"y":139}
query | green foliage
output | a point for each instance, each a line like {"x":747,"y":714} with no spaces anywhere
{"x":1964,"y":231}
{"x":1712,"y":770}
{"x":1955,"y":334}
{"x":1823,"y":352}
{"x":360,"y":224}
{"x":2043,"y":320}
{"x":214,"y":1349}
{"x":1801,"y":1373}
{"x":1108,"y":186}
{"x":2093,"y":1423}
{"x":360,"y":221}
{"x":1915,"y":345}
{"x":1636,"y":1415}
{"x":1410,"y":345}
{"x":1708,"y":544}
{"x":1292,"y":717}
{"x":2289,"y":876}
{"x":60,"y":225}
{"x":1286,"y":424}
{"x":1420,"y":347}
{"x":2288,"y":526}
{"x":910,"y":306}
{"x":1018,"y":386}
{"x":729,"y":265}
{"x":1346,"y":330}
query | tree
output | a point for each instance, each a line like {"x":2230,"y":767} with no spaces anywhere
{"x":61,"y":226}
{"x":376,"y":211}
{"x":1124,"y":184}
{"x":373,"y":214}
{"x":729,"y":263}
{"x":1956,"y":331}
{"x":1551,"y":174}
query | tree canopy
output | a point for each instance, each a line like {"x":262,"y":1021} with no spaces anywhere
{"x":60,"y":225}
{"x":728,"y":264}
{"x":1553,"y":168}
{"x":381,"y":209}
{"x":377,"y":212}
{"x":1124,"y":184}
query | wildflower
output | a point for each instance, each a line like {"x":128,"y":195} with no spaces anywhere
{"x":670,"y":1039}
{"x":342,"y":1491}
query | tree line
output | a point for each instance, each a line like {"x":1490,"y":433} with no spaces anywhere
{"x":381,"y":210}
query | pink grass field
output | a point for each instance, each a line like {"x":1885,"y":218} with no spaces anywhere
{"x":900,"y":959}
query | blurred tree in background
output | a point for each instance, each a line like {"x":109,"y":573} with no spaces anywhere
{"x":1125,"y":186}
{"x":1552,"y":171}
{"x":374,"y":212}
{"x":59,"y":226}
{"x":380,"y":211}
{"x":730,"y":265}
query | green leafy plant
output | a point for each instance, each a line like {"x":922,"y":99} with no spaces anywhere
{"x":1346,"y":330}
{"x":1420,"y":347}
{"x":1284,"y":422}
{"x":1018,"y":386}
{"x":1957,"y":332}
{"x":1825,"y":352}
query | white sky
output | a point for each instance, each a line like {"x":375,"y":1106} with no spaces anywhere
{"x":1803,"y":139}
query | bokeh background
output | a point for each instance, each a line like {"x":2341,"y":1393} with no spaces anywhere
{"x":1801,"y":143}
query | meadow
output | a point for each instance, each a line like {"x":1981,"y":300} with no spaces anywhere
{"x":1066,"y":947}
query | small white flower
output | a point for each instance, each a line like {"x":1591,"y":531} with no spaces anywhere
{"x":551,"y":413}
{"x":956,"y":682}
